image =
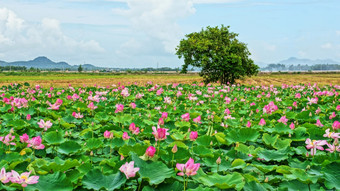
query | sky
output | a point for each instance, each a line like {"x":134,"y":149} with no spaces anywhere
{"x":145,"y":33}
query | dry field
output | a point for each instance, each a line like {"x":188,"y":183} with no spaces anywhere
{"x":63,"y":80}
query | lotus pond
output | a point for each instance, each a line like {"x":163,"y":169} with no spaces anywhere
{"x":170,"y":137}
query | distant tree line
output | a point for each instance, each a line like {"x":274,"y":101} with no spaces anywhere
{"x":317,"y":67}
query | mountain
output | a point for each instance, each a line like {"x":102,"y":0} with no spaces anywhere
{"x":297,"y":61}
{"x":45,"y":63}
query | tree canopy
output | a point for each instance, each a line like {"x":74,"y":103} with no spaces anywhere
{"x":219,"y":54}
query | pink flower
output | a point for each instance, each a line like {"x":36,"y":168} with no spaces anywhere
{"x":292,"y":126}
{"x":7,"y":139}
{"x":129,"y":170}
{"x":193,"y":135}
{"x":336,"y":125}
{"x":126,"y":136}
{"x":331,"y":134}
{"x":262,"y":122}
{"x":150,"y":151}
{"x":189,"y":168}
{"x":313,"y":145}
{"x":119,"y":108}
{"x":248,"y":124}
{"x":5,"y":176}
{"x":186,"y":117}
{"x":197,"y":119}
{"x":227,"y":111}
{"x":45,"y":125}
{"x":35,"y":143}
{"x":159,"y":133}
{"x":108,"y":134}
{"x":174,"y":149}
{"x":332,"y":115}
{"x":298,"y":95}
{"x":312,"y":101}
{"x":24,"y":138}
{"x":134,"y":129}
{"x":133,"y":105}
{"x":92,"y":106}
{"x":318,"y":123}
{"x":161,"y":121}
{"x":283,"y":120}
{"x":338,"y":108}
{"x":270,"y":108}
{"x":24,"y":178}
{"x":332,"y":148}
{"x":28,"y":117}
{"x":164,"y":115}
{"x":77,"y":115}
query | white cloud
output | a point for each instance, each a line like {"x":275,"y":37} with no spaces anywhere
{"x":44,"y":38}
{"x":327,"y":46}
{"x":158,"y":20}
{"x":337,"y":32}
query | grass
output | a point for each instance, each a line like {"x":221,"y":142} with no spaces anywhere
{"x":105,"y":79}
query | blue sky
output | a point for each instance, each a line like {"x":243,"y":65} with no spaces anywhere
{"x":142,"y":33}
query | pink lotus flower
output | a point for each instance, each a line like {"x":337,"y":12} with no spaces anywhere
{"x":248,"y":124}
{"x":134,"y":129}
{"x":336,"y":125}
{"x":45,"y":125}
{"x":28,"y":117}
{"x":197,"y":119}
{"x":92,"y":106}
{"x":338,"y":108}
{"x":150,"y":151}
{"x":332,"y":115}
{"x":262,"y":122}
{"x":7,"y":139}
{"x":270,"y":108}
{"x":295,"y":104}
{"x":312,"y":101}
{"x":174,"y":149}
{"x":24,"y":178}
{"x":35,"y":143}
{"x":24,"y":138}
{"x":313,"y":145}
{"x":77,"y":115}
{"x":161,"y":121}
{"x":318,"y":123}
{"x":283,"y":120}
{"x":5,"y":176}
{"x":129,"y":170}
{"x":193,"y":135}
{"x":189,"y":168}
{"x":298,"y":95}
{"x":133,"y":105}
{"x":331,"y":134}
{"x":126,"y":136}
{"x":159,"y":133}
{"x":119,"y":108}
{"x":227,"y":111}
{"x":186,"y":117}
{"x":108,"y":134}
{"x":332,"y":148}
{"x":164,"y":115}
{"x":292,"y":126}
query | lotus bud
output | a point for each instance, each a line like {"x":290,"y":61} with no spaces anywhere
{"x":91,"y":153}
{"x":174,"y":149}
{"x":218,"y":161}
{"x":266,"y":180}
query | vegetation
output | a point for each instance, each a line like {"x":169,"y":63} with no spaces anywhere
{"x":219,"y":54}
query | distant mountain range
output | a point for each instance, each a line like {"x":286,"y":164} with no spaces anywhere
{"x":296,"y":61}
{"x":45,"y":63}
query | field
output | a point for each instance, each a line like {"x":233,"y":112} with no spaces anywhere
{"x":169,"y":136}
{"x":64,"y":79}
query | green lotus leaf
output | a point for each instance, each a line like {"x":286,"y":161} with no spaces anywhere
{"x":234,"y":180}
{"x":269,"y":155}
{"x":54,"y":137}
{"x":69,"y":147}
{"x":242,"y":135}
{"x":332,"y":175}
{"x":153,"y":172}
{"x":93,"y":143}
{"x":57,"y":181}
{"x":95,"y":180}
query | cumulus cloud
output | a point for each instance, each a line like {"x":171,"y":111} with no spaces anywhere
{"x":20,"y":37}
{"x":327,"y":46}
{"x":158,"y":20}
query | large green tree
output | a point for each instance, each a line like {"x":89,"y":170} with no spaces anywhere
{"x":219,"y":54}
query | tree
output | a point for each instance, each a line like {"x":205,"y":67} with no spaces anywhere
{"x":80,"y":69}
{"x":219,"y":54}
